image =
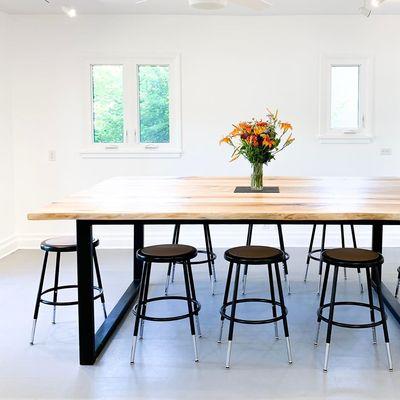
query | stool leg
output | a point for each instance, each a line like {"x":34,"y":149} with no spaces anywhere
{"x":353,"y":236}
{"x":99,"y":282}
{"x":226,"y":294}
{"x":309,"y":251}
{"x":285,"y":267}
{"x":272,"y":290}
{"x":193,"y":295}
{"x":145,"y":296}
{"x":210,"y":266}
{"x":330,"y":319}
{"x":233,"y":313}
{"x":396,"y":293}
{"x":56,"y":276}
{"x":39,"y":294}
{"x":371,"y":303}
{"x":343,"y":246}
{"x":320,"y":256}
{"x":190,"y":310}
{"x":171,"y":266}
{"x":178,"y":231}
{"x":284,"y":319}
{"x":246,"y":267}
{"x":383,"y":316}
{"x":321,"y":302}
{"x":211,"y":251}
{"x":138,"y":311}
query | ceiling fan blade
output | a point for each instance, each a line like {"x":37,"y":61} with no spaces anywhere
{"x":257,"y":5}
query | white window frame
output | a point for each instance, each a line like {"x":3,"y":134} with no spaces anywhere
{"x":364,"y":134}
{"x":131,"y":147}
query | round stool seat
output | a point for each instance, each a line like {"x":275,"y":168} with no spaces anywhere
{"x":351,"y":257}
{"x":254,"y":255}
{"x":167,"y":253}
{"x":63,"y":244}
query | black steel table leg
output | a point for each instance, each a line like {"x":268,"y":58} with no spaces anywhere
{"x":87,"y":350}
{"x":138,"y":243}
{"x":91,"y":343}
{"x":388,"y":297}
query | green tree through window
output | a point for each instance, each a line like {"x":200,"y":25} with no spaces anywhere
{"x":154,"y":103}
{"x":108,"y":105}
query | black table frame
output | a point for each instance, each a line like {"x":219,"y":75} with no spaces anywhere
{"x":92,"y":343}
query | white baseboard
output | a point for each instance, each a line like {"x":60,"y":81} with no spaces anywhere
{"x":223,"y":236}
{"x":8,"y":246}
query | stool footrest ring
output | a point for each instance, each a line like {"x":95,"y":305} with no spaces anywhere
{"x":212,"y":257}
{"x":195,"y":303}
{"x":66,"y":303}
{"x":252,"y":321}
{"x":345,"y":324}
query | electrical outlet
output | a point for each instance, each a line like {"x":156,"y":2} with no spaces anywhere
{"x":52,"y":155}
{"x":386,"y":151}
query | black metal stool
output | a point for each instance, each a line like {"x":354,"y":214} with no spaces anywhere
{"x":63,"y":245}
{"x":210,"y":257}
{"x":167,"y":253}
{"x":396,"y":292}
{"x":282,"y":247}
{"x":254,"y":255}
{"x":315,"y":254}
{"x":371,"y":262}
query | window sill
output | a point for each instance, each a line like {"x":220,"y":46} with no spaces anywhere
{"x":171,"y":153}
{"x":337,"y":139}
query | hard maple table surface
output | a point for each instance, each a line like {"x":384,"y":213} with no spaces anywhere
{"x":214,"y":198}
{"x":138,"y":201}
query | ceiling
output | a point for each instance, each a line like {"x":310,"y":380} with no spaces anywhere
{"x":280,"y":7}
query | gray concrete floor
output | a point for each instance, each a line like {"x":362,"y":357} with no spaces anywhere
{"x":164,"y":366}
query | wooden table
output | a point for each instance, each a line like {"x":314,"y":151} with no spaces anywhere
{"x":166,"y":200}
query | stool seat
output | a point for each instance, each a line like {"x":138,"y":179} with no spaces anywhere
{"x":167,"y":252}
{"x":254,"y":255}
{"x":351,"y":256}
{"x":62,"y":244}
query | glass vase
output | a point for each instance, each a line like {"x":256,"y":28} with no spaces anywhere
{"x":257,"y":176}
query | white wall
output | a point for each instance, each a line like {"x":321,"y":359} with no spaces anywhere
{"x":7,"y":212}
{"x":232,"y":68}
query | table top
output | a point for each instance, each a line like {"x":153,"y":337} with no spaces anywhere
{"x":213,"y":198}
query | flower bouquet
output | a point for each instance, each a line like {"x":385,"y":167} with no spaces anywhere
{"x":259,"y":141}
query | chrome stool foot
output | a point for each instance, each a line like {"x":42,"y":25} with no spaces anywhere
{"x":389,"y":356}
{"x":289,"y":350}
{"x":133,"y":349}
{"x":228,"y":355}
{"x":326,"y":357}
{"x":33,"y":331}
{"x":221,"y":331}
{"x":196,"y":353}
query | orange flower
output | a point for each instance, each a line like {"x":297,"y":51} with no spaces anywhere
{"x":225,"y":140}
{"x":285,"y":126}
{"x":268,"y":142}
{"x":258,"y":130}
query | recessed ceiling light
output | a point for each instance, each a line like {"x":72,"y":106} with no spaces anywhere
{"x":71,"y":12}
{"x":376,"y":3}
{"x":208,"y":4}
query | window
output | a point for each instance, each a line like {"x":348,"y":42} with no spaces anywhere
{"x":345,"y":95}
{"x":135,"y":107}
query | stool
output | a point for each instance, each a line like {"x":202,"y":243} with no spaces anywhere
{"x":316,"y":253}
{"x":371,"y":262}
{"x":166,"y":254}
{"x":210,"y":258}
{"x":254,"y":255}
{"x":396,"y":293}
{"x":282,"y":247}
{"x":63,"y":245}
